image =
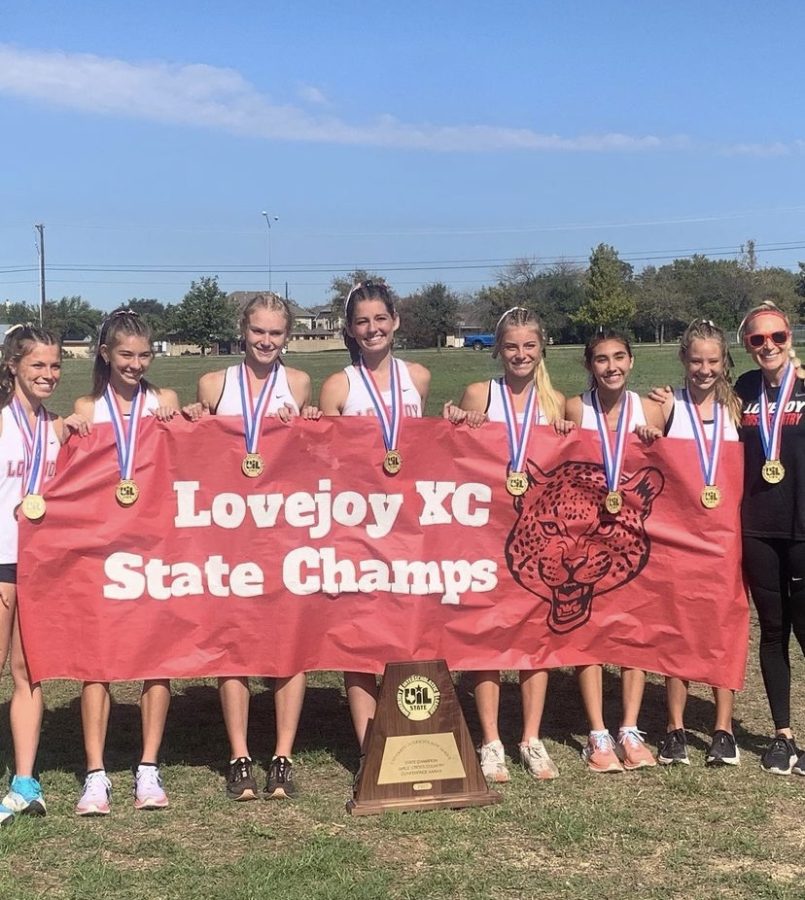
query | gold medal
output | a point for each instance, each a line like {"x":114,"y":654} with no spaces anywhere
{"x":33,"y":506}
{"x":392,"y":462}
{"x":517,"y":483}
{"x":252,"y":465}
{"x":613,"y":502}
{"x":127,"y":492}
{"x":711,"y":496}
{"x":773,"y":471}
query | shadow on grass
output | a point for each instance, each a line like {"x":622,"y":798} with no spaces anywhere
{"x":195,"y":734}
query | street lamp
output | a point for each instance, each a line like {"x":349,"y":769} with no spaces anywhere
{"x":268,"y":219}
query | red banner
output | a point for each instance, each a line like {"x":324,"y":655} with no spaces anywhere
{"x":326,"y":562}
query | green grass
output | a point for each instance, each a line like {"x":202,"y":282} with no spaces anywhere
{"x":451,"y":371}
{"x":655,"y":835}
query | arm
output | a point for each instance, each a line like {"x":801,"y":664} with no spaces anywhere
{"x":301,"y":390}
{"x":334,"y":393}
{"x":79,"y":421}
{"x":573,"y":414}
{"x":209,"y":390}
{"x":168,"y":404}
{"x":471,"y":409}
{"x":421,"y":378}
{"x":655,"y":421}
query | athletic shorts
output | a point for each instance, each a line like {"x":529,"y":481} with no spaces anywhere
{"x":8,"y":573}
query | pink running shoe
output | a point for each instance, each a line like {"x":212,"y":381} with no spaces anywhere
{"x":94,"y":800}
{"x":599,"y":754}
{"x":148,"y":791}
{"x":636,"y":755}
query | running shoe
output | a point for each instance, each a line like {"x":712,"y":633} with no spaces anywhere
{"x":97,"y":793}
{"x":780,"y":756}
{"x":635,"y":752}
{"x":240,"y":785}
{"x":6,"y":815}
{"x":25,"y":796}
{"x":536,"y":761}
{"x":600,"y":755}
{"x":799,"y":767}
{"x":148,"y":790}
{"x":723,"y":750}
{"x":280,"y":779}
{"x":674,"y":749}
{"x":493,"y":762}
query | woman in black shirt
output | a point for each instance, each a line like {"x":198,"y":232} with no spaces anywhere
{"x":773,"y":513}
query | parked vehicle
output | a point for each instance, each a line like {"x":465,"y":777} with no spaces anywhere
{"x":479,"y":341}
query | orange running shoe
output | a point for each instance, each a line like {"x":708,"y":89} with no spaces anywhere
{"x":599,"y":754}
{"x":635,"y":753}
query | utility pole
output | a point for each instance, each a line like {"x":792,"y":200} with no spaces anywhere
{"x":41,"y":250}
{"x":268,"y":219}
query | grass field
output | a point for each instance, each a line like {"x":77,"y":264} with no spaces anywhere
{"x":657,"y":834}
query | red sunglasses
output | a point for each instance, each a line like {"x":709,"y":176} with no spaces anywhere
{"x":757,"y":339}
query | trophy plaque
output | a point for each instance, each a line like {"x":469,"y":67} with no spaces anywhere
{"x":419,"y":753}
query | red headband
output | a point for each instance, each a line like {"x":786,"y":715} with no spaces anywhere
{"x":764,"y":312}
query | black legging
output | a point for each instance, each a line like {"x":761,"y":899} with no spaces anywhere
{"x":775,"y":571}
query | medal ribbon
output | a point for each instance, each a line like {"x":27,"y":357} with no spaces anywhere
{"x":613,"y":458}
{"x":253,"y":415}
{"x":125,"y":437}
{"x":34,"y":443}
{"x":771,"y":428}
{"x":518,"y":434}
{"x":390,"y":419}
{"x":708,"y":458}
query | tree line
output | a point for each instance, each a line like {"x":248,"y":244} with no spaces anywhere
{"x":654,"y":304}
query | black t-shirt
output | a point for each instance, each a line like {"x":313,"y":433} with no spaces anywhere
{"x":773,"y":510}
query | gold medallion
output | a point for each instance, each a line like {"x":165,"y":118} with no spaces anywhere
{"x":33,"y":506}
{"x":773,"y":471}
{"x":613,"y":502}
{"x":517,"y":483}
{"x":392,"y":462}
{"x":252,"y":465}
{"x":127,"y":492}
{"x":711,"y":496}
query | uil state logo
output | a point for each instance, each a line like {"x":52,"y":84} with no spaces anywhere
{"x":567,"y":550}
{"x":418,"y":698}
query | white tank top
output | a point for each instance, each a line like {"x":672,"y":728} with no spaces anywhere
{"x":588,"y":418}
{"x":359,"y":400}
{"x":495,"y":410}
{"x":12,"y":466}
{"x":229,"y":404}
{"x":680,"y":426}
{"x":101,"y":412}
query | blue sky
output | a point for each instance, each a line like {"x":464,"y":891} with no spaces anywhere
{"x":424,"y":141}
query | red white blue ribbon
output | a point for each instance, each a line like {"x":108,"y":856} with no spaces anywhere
{"x":253,"y":414}
{"x":613,"y":456}
{"x":771,"y":427}
{"x":390,"y":418}
{"x":34,"y":446}
{"x":125,"y":436}
{"x":518,"y":434}
{"x":708,"y":457}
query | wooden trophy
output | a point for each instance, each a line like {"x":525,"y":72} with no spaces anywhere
{"x":419,"y":753}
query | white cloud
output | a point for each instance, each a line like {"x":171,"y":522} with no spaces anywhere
{"x":309,"y":93}
{"x":218,"y":98}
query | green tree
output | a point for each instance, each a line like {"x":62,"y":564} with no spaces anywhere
{"x":341,"y":285}
{"x":428,"y":316}
{"x":19,"y":313}
{"x":71,"y":318}
{"x":156,"y":314}
{"x":663,"y":308}
{"x":206,"y":315}
{"x":609,"y":299}
{"x":555,"y":293}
